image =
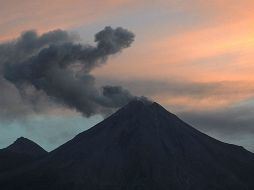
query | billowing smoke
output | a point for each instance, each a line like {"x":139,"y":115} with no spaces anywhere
{"x":57,"y":66}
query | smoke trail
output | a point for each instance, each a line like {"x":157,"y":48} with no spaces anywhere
{"x":56,"y":65}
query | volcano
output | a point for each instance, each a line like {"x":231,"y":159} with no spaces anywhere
{"x":140,"y":147}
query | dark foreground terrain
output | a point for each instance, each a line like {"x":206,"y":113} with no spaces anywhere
{"x":140,"y":147}
{"x":22,"y":152}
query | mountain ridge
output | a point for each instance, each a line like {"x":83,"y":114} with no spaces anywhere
{"x":25,"y":146}
{"x":20,"y":153}
{"x":141,"y":146}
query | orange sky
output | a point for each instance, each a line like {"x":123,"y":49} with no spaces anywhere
{"x":44,"y":15}
{"x":195,"y":57}
{"x":197,"y":41}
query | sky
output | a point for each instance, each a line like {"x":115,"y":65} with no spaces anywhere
{"x":193,"y":57}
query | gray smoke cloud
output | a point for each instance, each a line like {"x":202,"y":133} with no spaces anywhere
{"x":56,"y":66}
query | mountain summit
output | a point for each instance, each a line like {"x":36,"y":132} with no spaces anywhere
{"x":140,"y":147}
{"x":25,"y":146}
{"x":22,"y":152}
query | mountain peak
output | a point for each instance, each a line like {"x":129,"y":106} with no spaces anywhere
{"x":144,"y":102}
{"x":135,"y":106}
{"x":22,"y":140}
{"x":23,"y":145}
{"x":140,"y":101}
{"x":142,"y":107}
{"x":141,"y":146}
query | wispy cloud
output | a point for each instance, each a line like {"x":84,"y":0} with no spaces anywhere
{"x":188,"y":95}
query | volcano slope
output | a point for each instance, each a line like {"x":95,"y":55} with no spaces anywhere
{"x":140,"y":147}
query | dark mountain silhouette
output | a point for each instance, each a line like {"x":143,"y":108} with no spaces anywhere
{"x":25,"y":146}
{"x":22,"y":152}
{"x":140,"y":147}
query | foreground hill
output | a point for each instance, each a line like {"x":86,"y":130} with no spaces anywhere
{"x":22,"y":152}
{"x":140,"y":147}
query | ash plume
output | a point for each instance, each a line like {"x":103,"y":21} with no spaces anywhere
{"x":57,"y":66}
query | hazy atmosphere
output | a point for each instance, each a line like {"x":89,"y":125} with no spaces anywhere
{"x":193,"y":57}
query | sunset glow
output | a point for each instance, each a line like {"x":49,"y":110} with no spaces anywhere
{"x":187,"y":55}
